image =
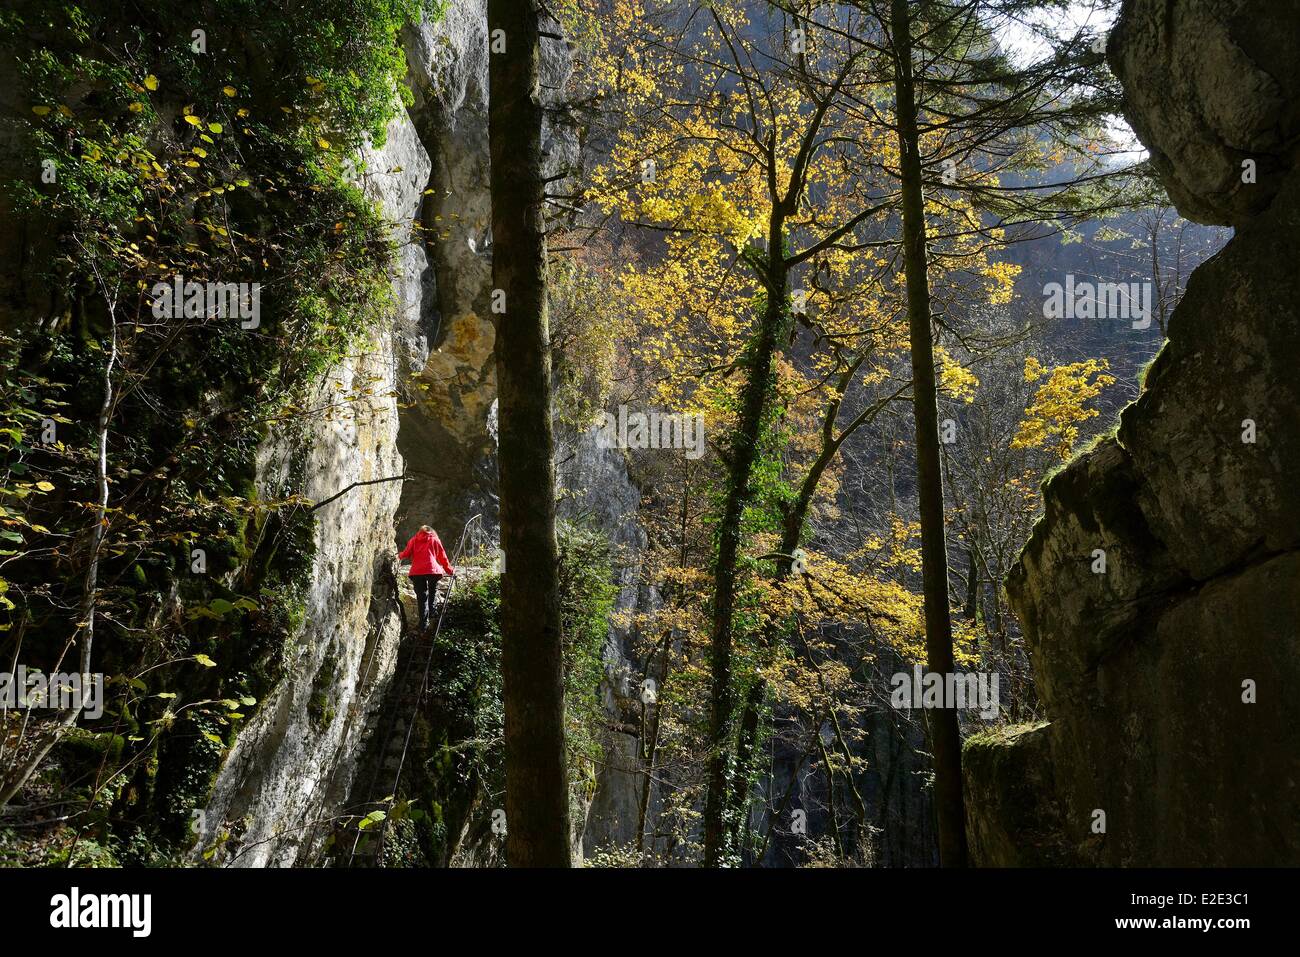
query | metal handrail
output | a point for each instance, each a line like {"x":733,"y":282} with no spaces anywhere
{"x":475,"y":521}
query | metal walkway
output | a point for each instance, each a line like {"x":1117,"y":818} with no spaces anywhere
{"x":402,"y":707}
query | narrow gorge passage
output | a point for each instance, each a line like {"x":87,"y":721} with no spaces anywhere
{"x":648,"y":435}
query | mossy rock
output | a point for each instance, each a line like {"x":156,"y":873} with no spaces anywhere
{"x":82,"y":744}
{"x":1012,"y":811}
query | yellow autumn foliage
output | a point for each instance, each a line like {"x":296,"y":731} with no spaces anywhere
{"x":1060,"y":403}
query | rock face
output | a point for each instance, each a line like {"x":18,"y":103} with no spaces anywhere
{"x":597,"y":488}
{"x":1008,"y":771}
{"x":1208,"y":85}
{"x":446,"y":439}
{"x":296,"y":758}
{"x":1170,"y":677}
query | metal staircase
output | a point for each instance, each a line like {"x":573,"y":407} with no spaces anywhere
{"x":401,"y":708}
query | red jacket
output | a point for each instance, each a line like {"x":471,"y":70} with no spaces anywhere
{"x":427,"y":555}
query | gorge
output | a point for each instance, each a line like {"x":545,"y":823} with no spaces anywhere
{"x":248,"y":312}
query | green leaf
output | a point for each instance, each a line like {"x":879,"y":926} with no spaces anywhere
{"x":205,"y":661}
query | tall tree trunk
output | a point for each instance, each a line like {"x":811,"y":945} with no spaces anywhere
{"x":944,"y":732}
{"x":537,"y":786}
{"x":746,"y":762}
{"x":744,"y":451}
{"x":791,"y":533}
{"x":972,"y":580}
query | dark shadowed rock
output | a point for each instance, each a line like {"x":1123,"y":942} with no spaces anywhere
{"x":1013,"y":813}
{"x":1171,"y":679}
{"x":1209,"y":84}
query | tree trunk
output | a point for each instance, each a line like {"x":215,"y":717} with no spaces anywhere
{"x":537,"y":787}
{"x":791,"y":533}
{"x":738,"y":803}
{"x":944,"y":732}
{"x":972,"y":581}
{"x":744,"y":451}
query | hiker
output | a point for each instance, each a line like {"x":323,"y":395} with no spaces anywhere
{"x":429,"y":563}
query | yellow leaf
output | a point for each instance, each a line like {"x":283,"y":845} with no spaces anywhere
{"x":216,"y":127}
{"x":151,"y":82}
{"x":136,"y":107}
{"x":193,"y":120}
{"x":40,"y":110}
{"x":322,"y":142}
{"x":229,"y":90}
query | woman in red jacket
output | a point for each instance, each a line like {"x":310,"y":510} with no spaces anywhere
{"x":429,"y":563}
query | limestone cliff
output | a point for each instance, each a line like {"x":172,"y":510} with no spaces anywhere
{"x":1170,"y":676}
{"x":293,"y":764}
{"x":432,"y":371}
{"x":446,"y":438}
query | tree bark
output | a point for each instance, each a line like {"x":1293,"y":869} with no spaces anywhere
{"x":537,"y":786}
{"x":791,"y":533}
{"x":774,"y":274}
{"x":972,"y":580}
{"x":744,"y":451}
{"x":944,"y":732}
